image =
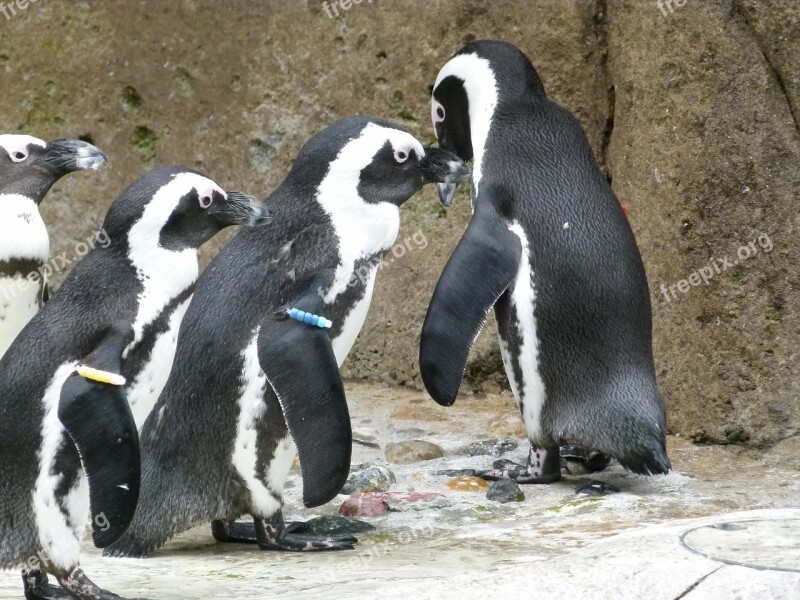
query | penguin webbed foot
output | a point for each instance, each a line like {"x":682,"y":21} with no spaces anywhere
{"x":544,"y":466}
{"x":79,"y":587}
{"x":38,"y":587}
{"x":275,"y":534}
{"x":234,"y":532}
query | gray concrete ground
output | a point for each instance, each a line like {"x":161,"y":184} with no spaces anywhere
{"x":725,"y":524}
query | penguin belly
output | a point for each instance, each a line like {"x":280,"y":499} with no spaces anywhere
{"x":20,"y":300}
{"x":152,"y":375}
{"x":60,"y":517}
{"x":519,"y":344}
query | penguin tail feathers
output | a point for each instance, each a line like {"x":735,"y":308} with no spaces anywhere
{"x":646,"y":459}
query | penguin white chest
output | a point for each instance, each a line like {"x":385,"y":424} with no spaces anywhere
{"x":22,"y":236}
{"x":19,"y":302}
{"x":60,"y":519}
{"x":529,"y":390}
{"x":265,"y":488}
{"x":354,"y":320}
{"x":151,"y":379}
{"x":22,"y":231}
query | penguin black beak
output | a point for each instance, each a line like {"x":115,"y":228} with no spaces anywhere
{"x":446,"y":170}
{"x":65,"y":156}
{"x":240,"y":209}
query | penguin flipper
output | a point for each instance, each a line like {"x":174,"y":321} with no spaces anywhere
{"x":97,"y":417}
{"x":301,"y":367}
{"x":481,"y":268}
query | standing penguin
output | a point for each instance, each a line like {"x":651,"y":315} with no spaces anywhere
{"x":59,"y":381}
{"x":550,"y":249}
{"x":250,"y":381}
{"x":28,"y":169}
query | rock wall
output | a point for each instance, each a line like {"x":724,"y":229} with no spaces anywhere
{"x":691,"y":106}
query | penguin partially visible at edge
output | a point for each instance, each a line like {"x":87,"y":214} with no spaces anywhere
{"x":28,"y":169}
{"x":108,"y":314}
{"x":249,"y":384}
{"x":550,"y":249}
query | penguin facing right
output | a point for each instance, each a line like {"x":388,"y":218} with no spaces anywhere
{"x":550,"y":249}
{"x":28,"y":169}
{"x":69,"y":442}
{"x":251,"y":386}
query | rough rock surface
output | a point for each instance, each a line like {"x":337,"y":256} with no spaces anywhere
{"x":693,"y":114}
{"x":505,"y":490}
{"x":411,"y":451}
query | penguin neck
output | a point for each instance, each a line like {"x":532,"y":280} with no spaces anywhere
{"x":363,"y":229}
{"x":164,"y":274}
{"x":22,"y":230}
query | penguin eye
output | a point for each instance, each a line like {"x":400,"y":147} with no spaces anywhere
{"x":440,"y":112}
{"x":400,"y":155}
{"x":18,"y":156}
{"x":205,"y":202}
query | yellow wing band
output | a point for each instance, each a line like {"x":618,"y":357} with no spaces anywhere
{"x":101,"y":376}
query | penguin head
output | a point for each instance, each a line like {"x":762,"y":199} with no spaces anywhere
{"x":468,"y":89}
{"x":178,"y":209}
{"x":383,"y":163}
{"x":30,"y":166}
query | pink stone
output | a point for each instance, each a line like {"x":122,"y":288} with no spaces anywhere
{"x":373,"y":504}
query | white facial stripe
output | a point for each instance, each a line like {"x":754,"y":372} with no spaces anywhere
{"x":164,"y":273}
{"x":22,"y":231}
{"x":363,"y":228}
{"x":14,"y":144}
{"x":481,"y":86}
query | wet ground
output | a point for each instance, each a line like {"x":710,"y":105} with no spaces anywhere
{"x":725,"y":524}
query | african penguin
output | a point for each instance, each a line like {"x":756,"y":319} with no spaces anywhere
{"x":28,"y":169}
{"x":250,"y":387}
{"x":550,"y":249}
{"x":109,"y":314}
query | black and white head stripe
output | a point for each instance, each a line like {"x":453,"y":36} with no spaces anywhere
{"x":474,"y":82}
{"x":339,"y":194}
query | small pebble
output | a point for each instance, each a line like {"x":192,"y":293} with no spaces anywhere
{"x":509,"y":424}
{"x":597,"y":488}
{"x":369,"y":477}
{"x":457,"y":473}
{"x":468,"y":484}
{"x":505,"y":490}
{"x":372,"y":504}
{"x":411,"y":451}
{"x":493,"y":447}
